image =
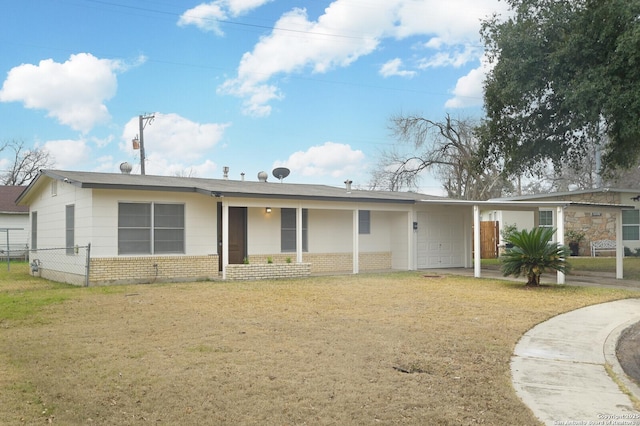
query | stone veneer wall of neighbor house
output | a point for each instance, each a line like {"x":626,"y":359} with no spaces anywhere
{"x":596,"y":225}
{"x":149,"y":269}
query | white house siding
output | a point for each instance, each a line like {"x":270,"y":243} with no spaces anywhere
{"x":51,"y":223}
{"x":399,"y":231}
{"x":200,"y":219}
{"x":330,"y":231}
{"x":263,"y":231}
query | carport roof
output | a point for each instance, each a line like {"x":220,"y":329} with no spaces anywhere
{"x":523,"y":205}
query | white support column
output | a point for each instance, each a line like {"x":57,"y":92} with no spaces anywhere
{"x":356,"y":241}
{"x":225,"y":238}
{"x":619,"y":247}
{"x":412,"y":242}
{"x":560,"y":237}
{"x":477,"y":258}
{"x":299,"y":235}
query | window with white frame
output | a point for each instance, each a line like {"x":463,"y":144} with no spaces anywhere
{"x":631,"y":225}
{"x":288,"y":230}
{"x":364,"y":221}
{"x":545,"y":219}
{"x":150,"y":228}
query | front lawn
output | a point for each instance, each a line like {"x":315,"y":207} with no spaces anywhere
{"x":402,"y":348}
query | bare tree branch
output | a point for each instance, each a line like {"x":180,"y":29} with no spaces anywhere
{"x":24,"y":164}
{"x":450,"y":149}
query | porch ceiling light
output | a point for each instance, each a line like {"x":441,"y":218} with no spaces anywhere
{"x":267,"y":210}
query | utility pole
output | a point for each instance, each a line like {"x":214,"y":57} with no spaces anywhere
{"x":139,"y":143}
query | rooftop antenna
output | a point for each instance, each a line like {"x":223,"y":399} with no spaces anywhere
{"x":280,"y":173}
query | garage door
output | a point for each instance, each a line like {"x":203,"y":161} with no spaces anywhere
{"x":441,"y":240}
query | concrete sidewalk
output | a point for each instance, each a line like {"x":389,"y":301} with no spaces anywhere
{"x":558,"y":367}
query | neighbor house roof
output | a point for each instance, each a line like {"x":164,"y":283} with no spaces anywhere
{"x":218,"y":187}
{"x":8,"y":196}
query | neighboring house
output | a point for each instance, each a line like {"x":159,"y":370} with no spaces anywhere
{"x":14,"y":222}
{"x":597,"y":222}
{"x":143,"y":228}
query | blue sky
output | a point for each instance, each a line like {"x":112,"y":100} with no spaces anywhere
{"x":248,"y":84}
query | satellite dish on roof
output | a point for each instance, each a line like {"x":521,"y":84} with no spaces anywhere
{"x":281,"y":173}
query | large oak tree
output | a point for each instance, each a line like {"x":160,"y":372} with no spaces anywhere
{"x":565,"y":78}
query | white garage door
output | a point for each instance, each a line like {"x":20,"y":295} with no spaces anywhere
{"x":441,"y":239}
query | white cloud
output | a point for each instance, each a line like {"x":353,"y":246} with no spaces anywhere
{"x":469,"y":88}
{"x":74,"y":92}
{"x":208,"y":16}
{"x":330,"y":159}
{"x":173,"y":143}
{"x":349,"y":30}
{"x":456,"y":57}
{"x":392,"y":68}
{"x":69,"y":154}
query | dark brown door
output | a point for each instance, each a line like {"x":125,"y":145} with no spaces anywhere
{"x":237,"y":234}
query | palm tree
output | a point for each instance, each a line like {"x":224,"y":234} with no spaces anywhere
{"x":533,"y":253}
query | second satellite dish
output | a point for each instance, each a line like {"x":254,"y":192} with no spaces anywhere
{"x":280,"y":173}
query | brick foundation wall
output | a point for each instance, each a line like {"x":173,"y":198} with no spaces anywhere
{"x":148,"y":269}
{"x":379,"y":261}
{"x":262,"y":271}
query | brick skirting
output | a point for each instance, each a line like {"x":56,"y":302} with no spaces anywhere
{"x":148,"y":269}
{"x":262,"y":271}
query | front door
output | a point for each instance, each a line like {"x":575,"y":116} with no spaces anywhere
{"x":237,"y":234}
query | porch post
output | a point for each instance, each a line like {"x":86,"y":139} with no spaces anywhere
{"x":619,"y":246}
{"x":225,"y":238}
{"x":356,"y":241}
{"x":560,"y":237}
{"x":299,"y":234}
{"x":412,"y":242}
{"x":477,"y":258}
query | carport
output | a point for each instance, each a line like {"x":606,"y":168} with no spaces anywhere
{"x":559,"y":208}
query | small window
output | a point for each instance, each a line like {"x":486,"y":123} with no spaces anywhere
{"x":545,"y":219}
{"x":70,"y":213}
{"x":288,"y":230}
{"x":364,"y":221}
{"x":34,"y":230}
{"x":631,"y":225}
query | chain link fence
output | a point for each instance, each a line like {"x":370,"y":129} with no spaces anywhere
{"x":65,"y":264}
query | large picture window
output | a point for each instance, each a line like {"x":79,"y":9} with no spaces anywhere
{"x":288,"y":230}
{"x":150,"y":228}
{"x":631,"y":225}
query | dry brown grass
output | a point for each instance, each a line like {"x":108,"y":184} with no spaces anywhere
{"x":389,"y":349}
